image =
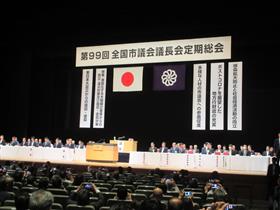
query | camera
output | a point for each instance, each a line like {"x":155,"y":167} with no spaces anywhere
{"x":231,"y":206}
{"x":188,"y":193}
{"x":215,"y":186}
{"x":87,"y":186}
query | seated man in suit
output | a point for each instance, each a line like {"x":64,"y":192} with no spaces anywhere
{"x":250,"y":150}
{"x":14,"y":141}
{"x":58,"y":143}
{"x":2,"y":140}
{"x":267,"y":151}
{"x":23,"y":142}
{"x":47,"y":142}
{"x":232,"y":150}
{"x":277,"y":146}
{"x":209,"y":149}
{"x":244,"y":151}
{"x":81,"y":144}
{"x":69,"y":143}
{"x":182,"y":148}
{"x":152,"y":147}
{"x":174,"y":148}
{"x":195,"y":148}
{"x":163,"y":148}
{"x":33,"y":142}
{"x":204,"y":148}
{"x":29,"y":142}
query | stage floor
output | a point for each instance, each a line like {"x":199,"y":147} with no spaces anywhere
{"x":136,"y":166}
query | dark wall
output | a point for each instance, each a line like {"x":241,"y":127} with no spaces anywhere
{"x":41,"y":87}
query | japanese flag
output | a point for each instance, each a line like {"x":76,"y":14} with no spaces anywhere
{"x":127,"y":79}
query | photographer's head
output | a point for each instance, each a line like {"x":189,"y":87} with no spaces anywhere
{"x":22,"y":201}
{"x":122,"y":193}
{"x":56,"y":181}
{"x":83,"y":197}
{"x":43,"y":183}
{"x":40,"y":200}
{"x":175,"y":204}
{"x":219,"y":195}
{"x":274,"y":160}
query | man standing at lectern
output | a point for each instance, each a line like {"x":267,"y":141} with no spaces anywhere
{"x":277,"y":146}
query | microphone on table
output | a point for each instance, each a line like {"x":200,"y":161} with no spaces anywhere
{"x":101,"y":141}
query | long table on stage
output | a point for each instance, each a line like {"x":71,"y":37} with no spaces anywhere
{"x":253,"y":165}
{"x":258,"y":164}
{"x":42,"y":154}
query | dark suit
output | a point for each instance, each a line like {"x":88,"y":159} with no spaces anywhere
{"x":174,"y":150}
{"x":34,"y":144}
{"x":267,"y":153}
{"x":277,"y":147}
{"x":152,"y":149}
{"x":3,"y":143}
{"x":80,"y":146}
{"x":163,"y":149}
{"x":208,"y":151}
{"x":70,"y":146}
{"x":24,"y":144}
{"x":203,"y":150}
{"x":196,"y":150}
{"x":273,"y":172}
{"x":47,"y":144}
{"x":233,"y":152}
{"x":59,"y":145}
{"x":14,"y":143}
{"x":245,"y":153}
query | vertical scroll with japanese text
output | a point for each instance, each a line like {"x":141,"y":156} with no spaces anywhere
{"x":199,"y":96}
{"x":99,"y":98}
{"x":235,"y":72}
{"x":217,"y":96}
{"x":86,"y":98}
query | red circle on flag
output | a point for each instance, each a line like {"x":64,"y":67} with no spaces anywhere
{"x":127,"y":79}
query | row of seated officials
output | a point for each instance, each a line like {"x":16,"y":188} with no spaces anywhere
{"x":39,"y":142}
{"x":42,"y":187}
{"x":245,"y":150}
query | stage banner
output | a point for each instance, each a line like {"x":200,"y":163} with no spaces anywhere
{"x":99,"y":98}
{"x":217,"y":96}
{"x":86,"y":98}
{"x":213,"y":48}
{"x":199,"y":96}
{"x":235,"y":72}
{"x":169,"y":77}
{"x":128,"y":79}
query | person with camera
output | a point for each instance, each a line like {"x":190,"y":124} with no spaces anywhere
{"x":82,"y":195}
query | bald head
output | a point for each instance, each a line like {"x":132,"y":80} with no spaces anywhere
{"x":157,"y":193}
{"x":175,"y":204}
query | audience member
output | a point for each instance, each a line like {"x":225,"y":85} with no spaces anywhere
{"x":41,"y":200}
{"x":22,"y":201}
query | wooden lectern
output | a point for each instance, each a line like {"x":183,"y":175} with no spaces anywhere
{"x":125,"y":145}
{"x":102,"y":152}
